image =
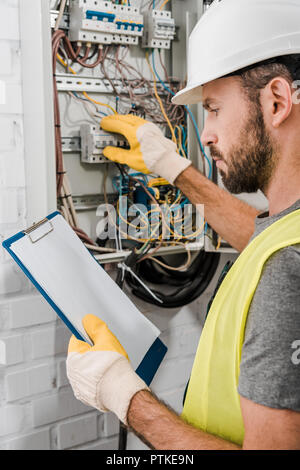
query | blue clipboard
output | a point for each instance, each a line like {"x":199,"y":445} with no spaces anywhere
{"x":29,"y":249}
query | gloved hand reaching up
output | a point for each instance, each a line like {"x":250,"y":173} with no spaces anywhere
{"x":101,"y":375}
{"x":150,"y":151}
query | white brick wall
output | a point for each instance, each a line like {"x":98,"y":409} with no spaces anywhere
{"x":37,"y":407}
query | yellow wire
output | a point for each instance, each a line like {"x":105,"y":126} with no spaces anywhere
{"x":180,"y":236}
{"x":145,"y":222}
{"x":84,"y":93}
{"x":160,"y":102}
{"x":144,"y":240}
{"x":179,"y":142}
{"x":165,"y":2}
{"x":158,"y":182}
{"x":170,"y":231}
{"x":97,"y":102}
{"x":174,"y":233}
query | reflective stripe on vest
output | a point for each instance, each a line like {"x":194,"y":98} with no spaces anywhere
{"x":212,"y":401}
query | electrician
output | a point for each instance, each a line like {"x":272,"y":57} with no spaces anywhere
{"x":244,"y":390}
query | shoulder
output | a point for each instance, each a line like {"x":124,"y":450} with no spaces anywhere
{"x":281,"y":273}
{"x":288,"y":257}
{"x":277,"y":295}
{"x":267,"y":374}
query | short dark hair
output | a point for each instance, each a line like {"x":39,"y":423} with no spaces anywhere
{"x":255,"y":77}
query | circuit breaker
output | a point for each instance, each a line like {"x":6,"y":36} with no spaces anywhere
{"x":159,"y":29}
{"x":104,"y":22}
{"x":94,"y":140}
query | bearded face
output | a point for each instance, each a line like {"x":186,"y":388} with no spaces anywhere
{"x":249,"y":163}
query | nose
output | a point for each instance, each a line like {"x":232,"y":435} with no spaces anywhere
{"x":208,"y":136}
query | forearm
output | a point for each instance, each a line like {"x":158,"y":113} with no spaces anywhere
{"x":160,"y":428}
{"x":231,"y":218}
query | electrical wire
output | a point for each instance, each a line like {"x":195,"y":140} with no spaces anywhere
{"x":60,"y":14}
{"x":172,"y":268}
{"x":100,"y":248}
{"x":95,"y":115}
{"x":164,"y":4}
{"x":63,"y":186}
{"x":84,"y":93}
{"x":159,"y":100}
{"x":191,"y":282}
{"x":99,"y":103}
{"x":146,"y":103}
{"x":190,"y":115}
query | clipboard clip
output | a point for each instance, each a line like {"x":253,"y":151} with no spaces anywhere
{"x":34,"y":227}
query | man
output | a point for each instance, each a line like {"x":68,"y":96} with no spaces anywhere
{"x":244,"y":391}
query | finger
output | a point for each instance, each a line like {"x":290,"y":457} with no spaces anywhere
{"x":132,"y":119}
{"x":92,"y":324}
{"x":102,"y":337}
{"x":75,"y":345}
{"x":114,"y":124}
{"x":129,"y":118}
{"x":116,"y":154}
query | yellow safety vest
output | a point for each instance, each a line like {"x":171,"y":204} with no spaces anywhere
{"x":212,"y":401}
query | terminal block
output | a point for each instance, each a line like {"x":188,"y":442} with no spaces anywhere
{"x":103,"y":22}
{"x":94,"y":140}
{"x":159,"y":29}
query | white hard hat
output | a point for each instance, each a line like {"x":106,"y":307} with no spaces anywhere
{"x":234,"y":34}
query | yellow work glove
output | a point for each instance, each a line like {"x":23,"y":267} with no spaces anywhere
{"x":101,"y":375}
{"x":150,"y":151}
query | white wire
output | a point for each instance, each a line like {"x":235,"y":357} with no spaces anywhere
{"x":88,"y":105}
{"x":123,"y":266}
{"x":60,"y":14}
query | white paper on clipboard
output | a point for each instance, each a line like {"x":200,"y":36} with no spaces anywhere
{"x":78,"y":285}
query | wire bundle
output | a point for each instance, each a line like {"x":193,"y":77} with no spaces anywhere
{"x":63,"y":185}
{"x":190,"y":284}
{"x":179,"y":224}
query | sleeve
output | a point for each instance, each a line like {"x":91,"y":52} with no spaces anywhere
{"x":270,"y":363}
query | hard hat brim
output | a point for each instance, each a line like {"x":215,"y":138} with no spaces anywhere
{"x":188,"y":95}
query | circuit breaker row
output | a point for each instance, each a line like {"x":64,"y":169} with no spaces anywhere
{"x":103,"y":22}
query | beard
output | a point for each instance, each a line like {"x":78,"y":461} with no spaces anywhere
{"x":251,"y":163}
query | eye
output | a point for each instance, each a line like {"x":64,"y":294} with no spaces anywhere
{"x":215,"y":111}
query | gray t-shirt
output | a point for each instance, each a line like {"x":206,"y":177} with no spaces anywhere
{"x":269,"y":373}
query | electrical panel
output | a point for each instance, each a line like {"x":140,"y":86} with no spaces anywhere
{"x":94,"y":140}
{"x":113,"y":58}
{"x":103,"y":22}
{"x":159,"y":29}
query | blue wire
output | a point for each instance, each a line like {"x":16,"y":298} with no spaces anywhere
{"x":194,"y":124}
{"x":190,"y":114}
{"x":183,"y":133}
{"x":84,"y":99}
{"x":183,"y":138}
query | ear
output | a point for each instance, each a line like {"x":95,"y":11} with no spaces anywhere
{"x":277,"y":101}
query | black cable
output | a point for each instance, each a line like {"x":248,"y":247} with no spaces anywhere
{"x":158,"y":274}
{"x":122,"y":436}
{"x":187,"y":292}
